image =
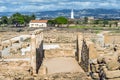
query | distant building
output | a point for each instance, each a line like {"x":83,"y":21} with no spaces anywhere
{"x":118,"y":23}
{"x":91,"y":19}
{"x":38,"y":23}
{"x":72,"y":14}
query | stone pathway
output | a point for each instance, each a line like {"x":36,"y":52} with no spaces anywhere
{"x":62,"y":64}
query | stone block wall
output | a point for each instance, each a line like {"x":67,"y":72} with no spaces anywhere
{"x":86,"y":53}
{"x":36,"y":50}
{"x":79,"y":47}
{"x":59,"y":53}
{"x":59,"y":37}
{"x":85,"y":57}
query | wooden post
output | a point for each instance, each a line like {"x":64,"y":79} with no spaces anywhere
{"x":33,"y":53}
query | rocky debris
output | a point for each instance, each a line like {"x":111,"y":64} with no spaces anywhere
{"x":66,"y":76}
{"x":25,"y":44}
{"x":6,"y":44}
{"x":21,"y":71}
{"x":14,"y":50}
{"x":59,"y":37}
{"x":111,"y":74}
{"x":14,"y":70}
{"x":107,"y":67}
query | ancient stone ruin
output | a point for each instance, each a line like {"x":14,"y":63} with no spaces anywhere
{"x":61,"y":55}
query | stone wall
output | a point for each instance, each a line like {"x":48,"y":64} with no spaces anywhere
{"x":79,"y":47}
{"x":59,"y":53}
{"x":59,"y":37}
{"x":85,"y":57}
{"x":86,"y":53}
{"x":36,"y":50}
{"x":111,"y":39}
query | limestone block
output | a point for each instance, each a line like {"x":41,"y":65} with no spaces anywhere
{"x":29,"y":78}
{"x":33,"y":53}
{"x":111,"y":62}
{"x":113,"y":65}
{"x":92,"y":51}
{"x":100,"y":60}
{"x":37,"y":31}
{"x":13,"y":50}
{"x":114,"y":79}
{"x":58,"y":53}
{"x":94,"y":68}
{"x":24,"y":45}
{"x":14,"y":41}
{"x":5,"y":45}
{"x":95,"y":76}
{"x":44,"y":70}
{"x":10,"y":42}
{"x":112,"y":74}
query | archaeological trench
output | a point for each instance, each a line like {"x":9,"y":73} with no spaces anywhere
{"x":61,"y":55}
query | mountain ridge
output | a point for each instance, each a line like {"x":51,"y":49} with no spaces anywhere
{"x":97,"y":13}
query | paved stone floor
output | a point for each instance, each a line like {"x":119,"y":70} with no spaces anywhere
{"x":62,"y":64}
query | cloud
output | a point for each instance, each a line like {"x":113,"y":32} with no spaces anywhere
{"x":43,"y":5}
{"x":3,"y":8}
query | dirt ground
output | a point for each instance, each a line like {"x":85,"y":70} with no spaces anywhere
{"x":10,"y":34}
{"x":62,"y":64}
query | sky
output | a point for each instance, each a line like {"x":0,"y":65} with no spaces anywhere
{"x":48,"y":5}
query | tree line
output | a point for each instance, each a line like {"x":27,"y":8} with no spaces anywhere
{"x":59,"y":21}
{"x":16,"y":19}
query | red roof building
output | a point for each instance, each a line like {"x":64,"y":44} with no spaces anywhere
{"x":38,"y":23}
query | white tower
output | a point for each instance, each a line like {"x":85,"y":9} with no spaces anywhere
{"x":72,"y":14}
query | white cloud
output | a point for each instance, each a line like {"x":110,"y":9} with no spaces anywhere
{"x":3,"y":8}
{"x":42,"y":5}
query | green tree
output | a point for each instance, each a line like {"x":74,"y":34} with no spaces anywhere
{"x":33,"y":17}
{"x":61,"y":20}
{"x":96,"y":22}
{"x":85,"y":20}
{"x":4,"y":20}
{"x":17,"y":19}
{"x":116,"y":23}
{"x":70,"y":22}
{"x":110,"y":24}
{"x":105,"y":22}
{"x":51,"y":23}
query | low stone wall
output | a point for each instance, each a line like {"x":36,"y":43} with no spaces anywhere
{"x":59,"y":37}
{"x":36,"y":50}
{"x":58,"y":53}
{"x":79,"y":47}
{"x":86,"y":53}
{"x":111,"y":39}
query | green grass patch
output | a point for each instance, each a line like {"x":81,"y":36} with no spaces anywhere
{"x":79,"y":27}
{"x":97,"y":31}
{"x":87,"y":27}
